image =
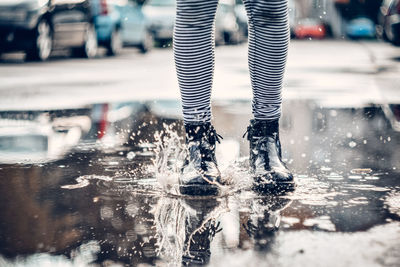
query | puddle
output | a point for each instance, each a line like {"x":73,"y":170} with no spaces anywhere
{"x":114,"y":201}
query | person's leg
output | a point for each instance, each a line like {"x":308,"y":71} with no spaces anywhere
{"x":194,"y":60}
{"x":194,"y":56}
{"x":268,"y":48}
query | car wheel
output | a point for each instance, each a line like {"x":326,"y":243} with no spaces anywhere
{"x":231,"y":38}
{"x":89,"y":48}
{"x":43,"y":42}
{"x":396,"y":41}
{"x":114,"y":46}
{"x":148,"y":43}
{"x":219,"y":38}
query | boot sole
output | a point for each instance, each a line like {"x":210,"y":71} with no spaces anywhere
{"x":199,"y":190}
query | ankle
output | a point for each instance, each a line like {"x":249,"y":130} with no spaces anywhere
{"x":260,"y":128}
{"x":200,"y":130}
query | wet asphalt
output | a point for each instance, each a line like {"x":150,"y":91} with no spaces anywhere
{"x":108,"y":198}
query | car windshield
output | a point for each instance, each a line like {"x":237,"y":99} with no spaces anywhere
{"x":161,"y":2}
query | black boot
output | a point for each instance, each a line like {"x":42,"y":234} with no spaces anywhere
{"x":270,"y":173}
{"x":200,"y":174}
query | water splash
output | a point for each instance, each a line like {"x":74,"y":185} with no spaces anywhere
{"x":169,"y":157}
{"x":161,"y":169}
{"x":170,"y":153}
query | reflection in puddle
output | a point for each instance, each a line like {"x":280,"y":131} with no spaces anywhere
{"x":321,"y":222}
{"x":111,"y":199}
{"x":392,"y":201}
{"x":83,"y":181}
{"x":185,"y":229}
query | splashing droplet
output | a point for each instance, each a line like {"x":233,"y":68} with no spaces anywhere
{"x":361,"y":171}
{"x":352,"y":144}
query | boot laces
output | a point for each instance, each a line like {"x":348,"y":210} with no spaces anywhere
{"x":260,"y":143}
{"x":206,"y":143}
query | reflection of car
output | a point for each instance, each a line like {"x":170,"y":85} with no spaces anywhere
{"x":39,"y":26}
{"x":360,"y":28}
{"x":226,"y":26}
{"x":109,"y":122}
{"x":161,"y":14}
{"x":23,"y":141}
{"x":43,"y":136}
{"x":312,"y":28}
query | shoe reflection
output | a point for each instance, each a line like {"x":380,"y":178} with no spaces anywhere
{"x":186,"y":228}
{"x":262,"y":222}
{"x":200,"y":229}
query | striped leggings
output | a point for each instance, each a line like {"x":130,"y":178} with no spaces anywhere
{"x":194,"y":55}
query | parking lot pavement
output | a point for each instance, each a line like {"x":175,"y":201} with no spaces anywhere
{"x":333,"y":72}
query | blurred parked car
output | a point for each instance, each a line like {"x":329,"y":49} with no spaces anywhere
{"x":136,"y":27}
{"x":293,"y":14}
{"x":311,"y":28}
{"x":361,"y":27}
{"x":119,"y":23}
{"x":241,"y":17}
{"x":108,"y":22}
{"x":226,"y":26}
{"x":161,"y":14}
{"x":39,"y":26}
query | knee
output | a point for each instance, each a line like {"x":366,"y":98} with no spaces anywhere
{"x":195,"y":14}
{"x":265,"y":11}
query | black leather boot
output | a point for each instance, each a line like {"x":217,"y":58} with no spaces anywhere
{"x":200,"y":174}
{"x":270,"y":173}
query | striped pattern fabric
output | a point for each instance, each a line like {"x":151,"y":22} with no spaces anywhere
{"x":194,"y":55}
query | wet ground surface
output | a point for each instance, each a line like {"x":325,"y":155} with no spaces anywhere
{"x":84,"y":184}
{"x":110,"y":199}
